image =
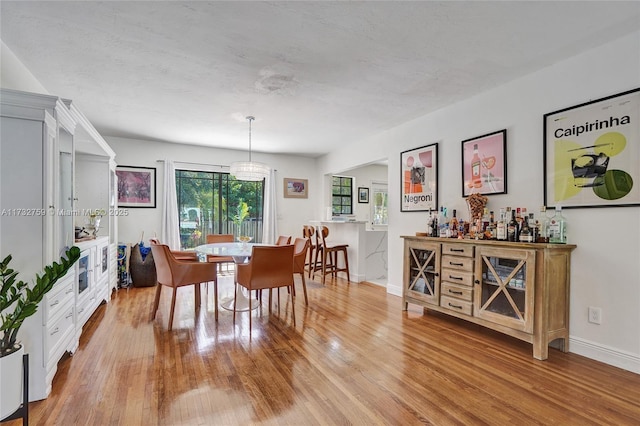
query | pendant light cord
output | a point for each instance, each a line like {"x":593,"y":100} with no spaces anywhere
{"x":250,"y":118}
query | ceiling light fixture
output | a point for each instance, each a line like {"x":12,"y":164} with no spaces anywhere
{"x":249,"y":170}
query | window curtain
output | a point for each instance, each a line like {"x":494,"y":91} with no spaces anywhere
{"x":170,"y":232}
{"x":269,"y":220}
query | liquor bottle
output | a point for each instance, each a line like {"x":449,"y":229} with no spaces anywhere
{"x":476,"y":177}
{"x":492,"y":226}
{"x":543,"y":226}
{"x":535,"y":228}
{"x":526,"y":233}
{"x":430,"y":223}
{"x":512,"y":227}
{"x":558,"y":228}
{"x":434,"y":226}
{"x":453,"y":225}
{"x":501,"y":227}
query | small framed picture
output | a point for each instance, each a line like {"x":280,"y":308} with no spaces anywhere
{"x":296,"y":188}
{"x":363,"y":194}
{"x":484,"y":164}
{"x":136,"y":186}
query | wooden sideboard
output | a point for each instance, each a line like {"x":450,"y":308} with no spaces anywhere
{"x":519,"y":289}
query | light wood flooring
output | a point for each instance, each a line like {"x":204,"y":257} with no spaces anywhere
{"x":354,"y":357}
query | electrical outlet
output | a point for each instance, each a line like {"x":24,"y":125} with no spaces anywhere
{"x":595,"y":315}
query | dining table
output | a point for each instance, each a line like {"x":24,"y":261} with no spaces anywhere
{"x":241,"y":253}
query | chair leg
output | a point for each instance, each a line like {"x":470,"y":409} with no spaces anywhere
{"x":250,"y":314}
{"x":156,"y":301}
{"x":346,"y":264}
{"x":197,"y":294}
{"x":173,"y":307}
{"x":324,"y":265}
{"x":293,"y":309}
{"x":304,"y":287}
{"x":215,"y":297}
{"x":235,"y":297}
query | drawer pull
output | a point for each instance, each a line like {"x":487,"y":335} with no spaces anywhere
{"x":455,"y":292}
{"x":455,"y":278}
{"x":455,"y":306}
{"x":81,"y":311}
{"x":456,"y":264}
{"x":69,"y":316}
{"x":477,"y":281}
{"x":54,"y":303}
{"x":457,"y":250}
{"x":55,"y":331}
{"x":69,"y":291}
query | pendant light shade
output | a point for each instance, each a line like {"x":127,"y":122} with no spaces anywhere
{"x":249,"y":170}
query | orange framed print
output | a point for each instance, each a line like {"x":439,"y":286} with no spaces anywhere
{"x":296,"y":188}
{"x":592,"y":153}
{"x":419,"y":179}
{"x":484,"y":164}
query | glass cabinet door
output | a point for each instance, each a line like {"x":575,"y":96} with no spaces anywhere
{"x":505,"y":294}
{"x":423,"y":264}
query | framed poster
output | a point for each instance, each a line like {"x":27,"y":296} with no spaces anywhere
{"x":592,"y":153}
{"x":296,"y":188}
{"x":363,"y":194}
{"x":484,"y":164}
{"x":136,"y":186}
{"x":419,"y":179}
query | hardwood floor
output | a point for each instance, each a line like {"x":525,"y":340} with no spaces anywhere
{"x":354,"y":358}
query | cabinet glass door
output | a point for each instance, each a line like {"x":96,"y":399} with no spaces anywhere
{"x":424,"y":281}
{"x":506,"y":288}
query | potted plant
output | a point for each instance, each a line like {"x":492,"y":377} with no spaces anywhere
{"x":242,"y":212}
{"x":18,"y":301}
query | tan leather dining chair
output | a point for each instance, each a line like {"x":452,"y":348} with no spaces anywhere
{"x":283,"y":240}
{"x":269,"y":267}
{"x":178,"y":254}
{"x":300,"y":248}
{"x":220,"y":238}
{"x":179,"y":273}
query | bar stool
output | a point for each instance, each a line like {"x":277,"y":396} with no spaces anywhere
{"x":330,"y":257}
{"x":308,"y":233}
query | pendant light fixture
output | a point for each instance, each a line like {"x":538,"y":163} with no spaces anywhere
{"x":249,"y":170}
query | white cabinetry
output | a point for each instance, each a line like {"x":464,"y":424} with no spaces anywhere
{"x":41,"y":138}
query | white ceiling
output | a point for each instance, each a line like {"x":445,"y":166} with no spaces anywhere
{"x":316,"y":75}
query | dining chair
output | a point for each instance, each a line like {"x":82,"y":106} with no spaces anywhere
{"x":283,"y":240}
{"x":175,"y":273}
{"x":269,"y":267}
{"x":329,"y":254}
{"x":300,"y":248}
{"x":220,"y":238}
{"x":178,"y":254}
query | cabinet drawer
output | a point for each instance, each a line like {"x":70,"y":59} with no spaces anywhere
{"x":57,"y":333}
{"x":457,"y":291}
{"x":456,"y":276}
{"x":463,"y":250}
{"x":58,"y":297}
{"x":458,"y":263}
{"x":461,"y":306}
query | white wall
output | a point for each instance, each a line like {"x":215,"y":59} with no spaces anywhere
{"x":292,"y":212}
{"x":363,"y":176}
{"x":606,"y":265}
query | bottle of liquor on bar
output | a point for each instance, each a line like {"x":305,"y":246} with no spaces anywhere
{"x":535,"y":230}
{"x":501,"y":227}
{"x":543,"y":225}
{"x":430,"y":223}
{"x":526,"y":233}
{"x":492,"y":226}
{"x":434,"y":226}
{"x":512,"y":227}
{"x":453,"y":225}
{"x":558,"y":228}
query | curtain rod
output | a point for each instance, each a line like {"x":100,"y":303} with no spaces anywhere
{"x":196,"y":164}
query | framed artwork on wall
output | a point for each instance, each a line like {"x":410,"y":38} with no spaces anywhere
{"x":484,"y":164}
{"x":363,"y":194}
{"x":419,"y":179}
{"x":296,"y":188}
{"x":592,"y":153}
{"x":136,"y":186}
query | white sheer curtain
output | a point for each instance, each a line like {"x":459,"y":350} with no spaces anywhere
{"x":170,"y":233}
{"x":269,"y":218}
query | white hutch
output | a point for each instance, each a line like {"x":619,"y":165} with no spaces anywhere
{"x":54,"y":170}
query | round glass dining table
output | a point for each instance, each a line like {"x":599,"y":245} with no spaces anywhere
{"x":241,"y":253}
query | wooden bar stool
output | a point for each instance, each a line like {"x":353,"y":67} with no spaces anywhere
{"x":309,"y":233}
{"x":330,"y":257}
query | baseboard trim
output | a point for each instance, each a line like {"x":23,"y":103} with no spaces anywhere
{"x":606,"y":354}
{"x":396,"y":290}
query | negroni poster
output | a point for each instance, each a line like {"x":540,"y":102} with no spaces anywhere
{"x":419,"y":180}
{"x":592,"y":153}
